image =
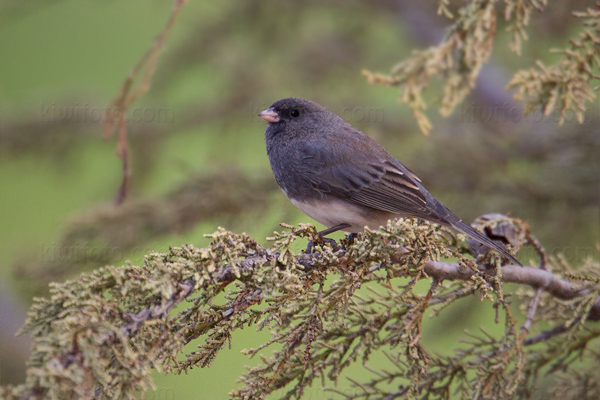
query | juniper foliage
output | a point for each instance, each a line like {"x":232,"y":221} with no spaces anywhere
{"x":101,"y":336}
{"x":563,"y":87}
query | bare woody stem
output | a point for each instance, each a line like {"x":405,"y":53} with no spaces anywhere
{"x":530,"y":276}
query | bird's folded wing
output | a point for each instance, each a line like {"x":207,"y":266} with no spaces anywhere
{"x":383,"y":184}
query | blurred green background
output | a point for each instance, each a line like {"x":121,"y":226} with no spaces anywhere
{"x":197,"y":149}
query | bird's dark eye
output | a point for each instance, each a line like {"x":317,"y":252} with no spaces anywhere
{"x":295,"y":113}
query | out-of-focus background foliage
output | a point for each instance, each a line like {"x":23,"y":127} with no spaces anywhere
{"x":197,"y":149}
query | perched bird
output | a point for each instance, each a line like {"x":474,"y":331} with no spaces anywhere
{"x":342,"y":178}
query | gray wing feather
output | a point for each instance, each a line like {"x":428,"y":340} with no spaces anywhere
{"x":339,"y":170}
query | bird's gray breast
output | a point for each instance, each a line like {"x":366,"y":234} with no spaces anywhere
{"x":288,"y":163}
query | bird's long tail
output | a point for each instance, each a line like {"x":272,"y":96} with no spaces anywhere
{"x":468,"y":230}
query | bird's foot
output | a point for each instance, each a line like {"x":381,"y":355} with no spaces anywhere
{"x":348,"y":240}
{"x":322,"y":240}
{"x":310,"y":248}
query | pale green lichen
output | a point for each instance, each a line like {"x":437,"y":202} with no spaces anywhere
{"x":100,"y":336}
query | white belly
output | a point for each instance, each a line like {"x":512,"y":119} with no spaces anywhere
{"x":338,"y":212}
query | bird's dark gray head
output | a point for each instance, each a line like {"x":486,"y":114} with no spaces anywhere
{"x":294,"y":117}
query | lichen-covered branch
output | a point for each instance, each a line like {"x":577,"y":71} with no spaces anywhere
{"x":100,"y":336}
{"x":530,"y":276}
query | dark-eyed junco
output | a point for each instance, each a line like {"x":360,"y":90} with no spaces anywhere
{"x":342,"y":178}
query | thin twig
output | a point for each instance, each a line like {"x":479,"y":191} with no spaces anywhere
{"x":535,"y":301}
{"x":442,"y":298}
{"x":535,"y":243}
{"x":128,"y":93}
{"x":550,"y":333}
{"x":531,"y":310}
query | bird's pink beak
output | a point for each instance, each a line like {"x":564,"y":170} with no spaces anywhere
{"x":269,"y":115}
